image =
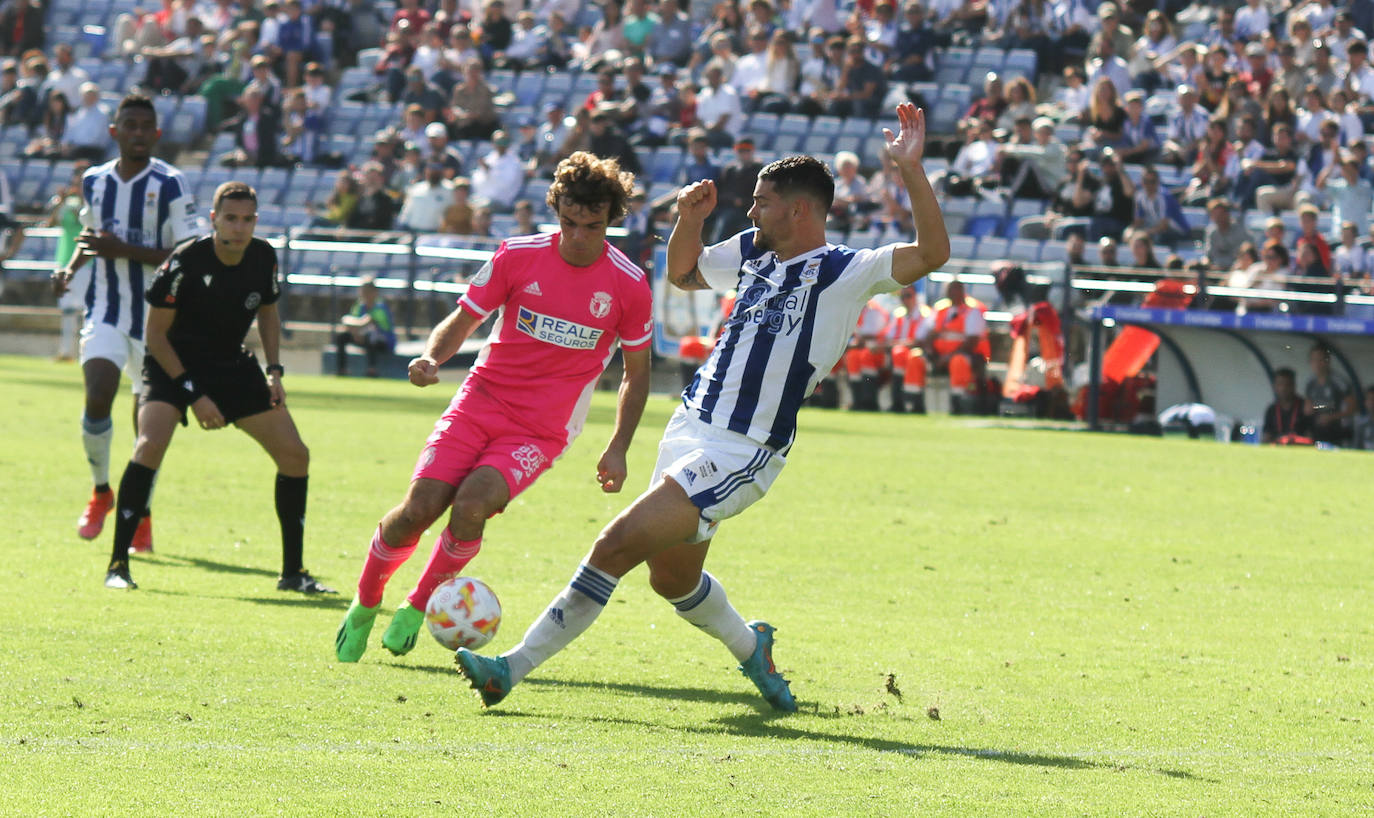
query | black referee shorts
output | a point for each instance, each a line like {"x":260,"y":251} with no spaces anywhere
{"x":237,"y":386}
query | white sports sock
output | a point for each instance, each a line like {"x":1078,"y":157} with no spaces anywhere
{"x":710,"y":610}
{"x":571,"y":612}
{"x":96,"y":436}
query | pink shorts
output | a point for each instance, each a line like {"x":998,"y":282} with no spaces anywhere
{"x":478,"y":431}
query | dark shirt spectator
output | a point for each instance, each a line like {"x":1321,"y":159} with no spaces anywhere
{"x":376,"y":209}
{"x":1286,"y":416}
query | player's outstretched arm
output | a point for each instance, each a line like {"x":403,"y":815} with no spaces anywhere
{"x":611,"y":470}
{"x":443,"y":344}
{"x":911,"y":262}
{"x":694,"y":204}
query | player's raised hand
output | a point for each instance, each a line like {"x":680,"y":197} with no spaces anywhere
{"x":908,"y":145}
{"x":423,"y":371}
{"x":611,"y":470}
{"x":696,"y":201}
{"x":207,"y":413}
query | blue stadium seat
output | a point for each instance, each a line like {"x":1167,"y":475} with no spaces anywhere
{"x":988,"y":59}
{"x":792,"y":124}
{"x":789,"y":143}
{"x":181,"y":130}
{"x":929,"y":91}
{"x":960,"y":93}
{"x":990,"y":249}
{"x":529,"y":87}
{"x":951,"y":74}
{"x":272,"y":183}
{"x":946,"y":115}
{"x":830,"y":125}
{"x":956,"y":56}
{"x":818,"y":143}
{"x":1053,"y":251}
{"x":963,"y":247}
{"x":368,"y":59}
{"x":988,"y":225}
{"x":354,"y":79}
{"x":664,"y":164}
{"x":556,"y":88}
{"x":764,"y":125}
{"x":1024,"y":249}
{"x":1020,"y":62}
{"x":501,"y":79}
{"x":958,"y":205}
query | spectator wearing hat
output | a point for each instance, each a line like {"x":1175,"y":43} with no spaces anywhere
{"x":438,"y":149}
{"x":426,"y":200}
{"x":1121,"y":36}
{"x":1186,"y":129}
{"x":87,"y":135}
{"x":499,"y":175}
{"x":1035,"y":170}
{"x":318,"y":94}
{"x":261,"y":70}
{"x":1139,"y":140}
{"x":735,"y":190}
{"x":1224,"y":235}
{"x":1257,"y":76}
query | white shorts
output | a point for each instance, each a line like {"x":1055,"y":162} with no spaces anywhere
{"x":722,"y":472}
{"x":101,"y":340}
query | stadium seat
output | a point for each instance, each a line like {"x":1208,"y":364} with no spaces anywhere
{"x":991,"y":249}
{"x":929,"y":91}
{"x":272,"y":183}
{"x":664,"y":164}
{"x":1021,"y":208}
{"x":181,"y":130}
{"x":1020,"y":62}
{"x":789,"y":143}
{"x":946,"y":115}
{"x":986,"y":225}
{"x":1024,"y":249}
{"x":556,"y":88}
{"x":954,"y":222}
{"x":761,"y":124}
{"x":790,"y":124}
{"x":528,"y":88}
{"x":830,"y":125}
{"x":818,"y":143}
{"x":962,"y":247}
{"x":988,"y":58}
{"x":959,"y":205}
{"x":1053,"y":251}
{"x":956,"y":56}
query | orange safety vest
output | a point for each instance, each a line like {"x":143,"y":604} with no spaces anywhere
{"x":949,"y":332}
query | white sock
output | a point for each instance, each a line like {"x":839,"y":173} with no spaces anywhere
{"x":571,"y":612}
{"x":710,"y":610}
{"x":96,"y":436}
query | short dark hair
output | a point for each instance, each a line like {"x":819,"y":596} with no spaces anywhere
{"x":133,"y":101}
{"x":235,"y":191}
{"x":587,"y":181}
{"x":804,"y":175}
{"x":1285,"y":372}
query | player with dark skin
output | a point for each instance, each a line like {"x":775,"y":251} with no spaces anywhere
{"x":136,"y":133}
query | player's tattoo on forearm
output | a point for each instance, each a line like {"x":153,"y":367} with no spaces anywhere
{"x":691,"y":280}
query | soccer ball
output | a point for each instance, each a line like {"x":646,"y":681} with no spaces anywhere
{"x":463,"y":613}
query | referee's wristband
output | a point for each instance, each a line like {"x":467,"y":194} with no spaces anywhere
{"x":189,"y":389}
{"x":276,"y":369}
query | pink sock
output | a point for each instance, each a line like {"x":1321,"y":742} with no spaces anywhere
{"x":447,"y":561}
{"x":382,"y":562}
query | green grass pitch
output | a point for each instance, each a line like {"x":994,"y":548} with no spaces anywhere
{"x":976,"y":621}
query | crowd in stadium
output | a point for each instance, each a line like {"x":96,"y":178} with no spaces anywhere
{"x":1207,"y":139}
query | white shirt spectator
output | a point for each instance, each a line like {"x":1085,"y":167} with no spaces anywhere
{"x":317,"y":97}
{"x":498,"y":178}
{"x":1185,"y":128}
{"x":526,"y":44}
{"x":88,"y":127}
{"x":68,"y":82}
{"x":1362,"y":81}
{"x":751,"y":73}
{"x":1352,"y":262}
{"x":975,"y":158}
{"x":713,"y":103}
{"x":543,"y":9}
{"x":424,"y":206}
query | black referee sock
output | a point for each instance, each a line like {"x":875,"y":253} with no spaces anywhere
{"x":291,"y":514}
{"x":134,"y":488}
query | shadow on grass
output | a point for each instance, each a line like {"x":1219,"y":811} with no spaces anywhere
{"x":287,"y":599}
{"x":770,"y":724}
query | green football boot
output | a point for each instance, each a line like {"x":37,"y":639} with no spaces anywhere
{"x":351,"y":642}
{"x":405,"y":626}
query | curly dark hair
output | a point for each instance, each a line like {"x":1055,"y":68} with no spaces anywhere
{"x":586,"y":180}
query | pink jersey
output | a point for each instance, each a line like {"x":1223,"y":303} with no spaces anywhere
{"x":557,"y":328}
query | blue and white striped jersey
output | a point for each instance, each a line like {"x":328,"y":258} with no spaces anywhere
{"x":153,"y":209}
{"x":791,"y":322}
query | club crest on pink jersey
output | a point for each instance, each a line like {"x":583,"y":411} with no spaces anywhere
{"x":601,"y":304}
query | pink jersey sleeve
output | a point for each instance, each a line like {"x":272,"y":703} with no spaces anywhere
{"x":636,"y":328}
{"x":490,"y":288}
